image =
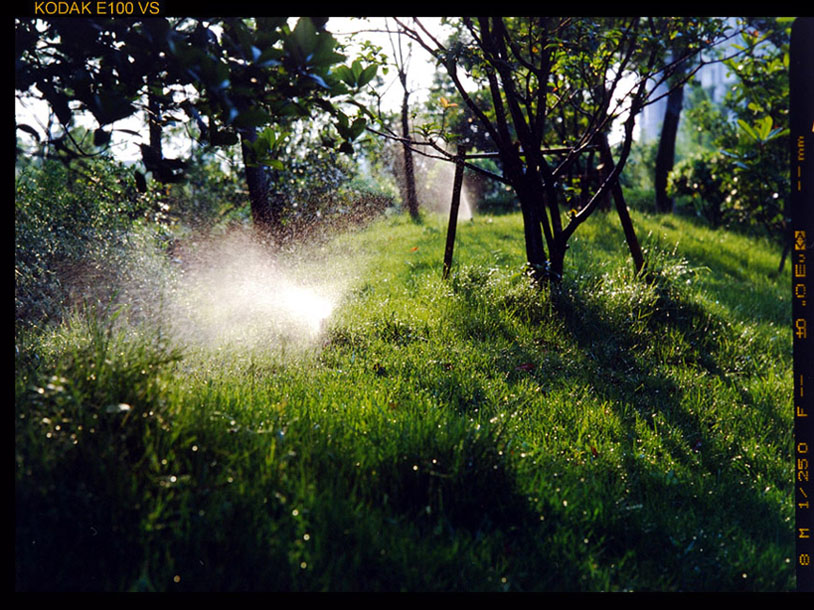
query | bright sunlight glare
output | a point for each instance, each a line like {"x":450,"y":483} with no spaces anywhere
{"x":232,"y":291}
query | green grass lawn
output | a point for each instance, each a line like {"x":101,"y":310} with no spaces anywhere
{"x":479,"y":434}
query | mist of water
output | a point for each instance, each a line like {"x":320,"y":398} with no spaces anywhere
{"x":233,"y":291}
{"x":435,"y":182}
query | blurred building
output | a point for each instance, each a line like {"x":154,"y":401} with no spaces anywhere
{"x":714,"y":78}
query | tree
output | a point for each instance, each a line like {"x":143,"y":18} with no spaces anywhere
{"x":240,"y":81}
{"x":744,"y":181}
{"x":665,"y":154}
{"x":402,"y":64}
{"x":530,"y":68}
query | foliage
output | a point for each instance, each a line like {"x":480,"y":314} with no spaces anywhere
{"x":637,"y":179}
{"x":701,"y":178}
{"x":238,"y":80}
{"x":211,"y":191}
{"x":747,"y":179}
{"x":543,"y":84}
{"x":320,"y":188}
{"x":72,"y":227}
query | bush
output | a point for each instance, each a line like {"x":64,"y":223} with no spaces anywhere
{"x":703,"y":180}
{"x":69,"y":226}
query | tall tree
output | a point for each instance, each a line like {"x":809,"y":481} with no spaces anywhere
{"x":665,"y":154}
{"x":402,"y":64}
{"x":239,"y":80}
{"x":530,"y":67}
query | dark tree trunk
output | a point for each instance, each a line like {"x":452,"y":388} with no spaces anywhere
{"x":531,"y":202}
{"x":154,"y":122}
{"x":409,"y":172}
{"x":621,"y":208}
{"x":453,"y":212}
{"x":665,"y":157}
{"x":265,"y":215}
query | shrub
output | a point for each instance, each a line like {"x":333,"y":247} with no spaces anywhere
{"x":69,"y":227}
{"x":703,"y":180}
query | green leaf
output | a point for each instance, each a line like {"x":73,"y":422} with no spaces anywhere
{"x":109,"y":107}
{"x":303,"y":39}
{"x":357,"y":69}
{"x":344,"y":74}
{"x":367,"y":75}
{"x":269,"y":58}
{"x":748,"y":129}
{"x":764,"y":127}
{"x":357,"y":128}
{"x":343,"y":125}
{"x":269,"y":140}
{"x":252,"y":117}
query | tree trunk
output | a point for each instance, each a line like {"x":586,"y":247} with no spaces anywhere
{"x":621,"y":208}
{"x":665,"y":157}
{"x":453,"y":212}
{"x":409,"y":173}
{"x":154,"y":122}
{"x":530,"y":203}
{"x":265,"y":216}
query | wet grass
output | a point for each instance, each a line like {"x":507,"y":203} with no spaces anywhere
{"x":479,"y":434}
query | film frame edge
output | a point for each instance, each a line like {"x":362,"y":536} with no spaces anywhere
{"x":801,"y":95}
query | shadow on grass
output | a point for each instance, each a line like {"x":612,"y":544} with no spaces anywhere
{"x":693,"y":531}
